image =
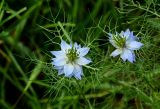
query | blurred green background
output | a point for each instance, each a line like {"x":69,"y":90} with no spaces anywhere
{"x":29,"y":30}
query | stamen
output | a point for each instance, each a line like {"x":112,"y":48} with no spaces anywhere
{"x":72,"y":55}
{"x":119,"y":41}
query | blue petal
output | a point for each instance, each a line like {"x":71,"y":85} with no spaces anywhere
{"x":116,"y":52}
{"x":122,"y":34}
{"x":132,"y":37}
{"x":127,"y":34}
{"x":134,"y":45}
{"x":65,"y":46}
{"x":68,"y":69}
{"x":83,"y":61}
{"x":78,"y":71}
{"x":60,"y":69}
{"x":133,"y":56}
{"x":113,"y":43}
{"x":128,"y":55}
{"x":111,"y":40}
{"x":110,"y":34}
{"x":59,"y":61}
{"x":58,"y":53}
{"x":83,"y":51}
{"x":76,"y":46}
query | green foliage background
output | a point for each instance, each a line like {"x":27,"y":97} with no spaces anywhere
{"x":30,"y":29}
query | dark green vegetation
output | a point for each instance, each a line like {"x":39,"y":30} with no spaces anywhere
{"x":29,"y":29}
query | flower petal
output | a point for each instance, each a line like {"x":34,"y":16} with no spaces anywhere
{"x":134,"y":45}
{"x":131,"y":58}
{"x":126,"y":34}
{"x":128,"y":55}
{"x":111,"y":39}
{"x":58,"y":53}
{"x":78,"y":71}
{"x":60,"y":69}
{"x":59,"y":61}
{"x":65,"y":46}
{"x":76,"y":46}
{"x":68,"y":69}
{"x":110,"y":34}
{"x":116,"y":52}
{"x":122,"y":34}
{"x":83,"y":51}
{"x":83,"y":61}
{"x":113,"y":42}
{"x":132,"y":37}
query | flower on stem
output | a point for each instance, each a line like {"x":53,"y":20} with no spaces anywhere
{"x":125,"y":44}
{"x":70,"y":59}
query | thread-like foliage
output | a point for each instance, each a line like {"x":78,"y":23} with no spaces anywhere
{"x":30,"y":29}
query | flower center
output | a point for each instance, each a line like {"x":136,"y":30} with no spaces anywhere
{"x":119,"y":41}
{"x":72,"y":55}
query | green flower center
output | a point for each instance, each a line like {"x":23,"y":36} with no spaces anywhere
{"x":119,"y":41}
{"x":72,"y":55}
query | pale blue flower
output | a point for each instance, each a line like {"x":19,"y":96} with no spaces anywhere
{"x":70,"y":59}
{"x":125,"y":44}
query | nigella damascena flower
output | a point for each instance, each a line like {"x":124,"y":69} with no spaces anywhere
{"x":125,"y":44}
{"x":70,"y":59}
